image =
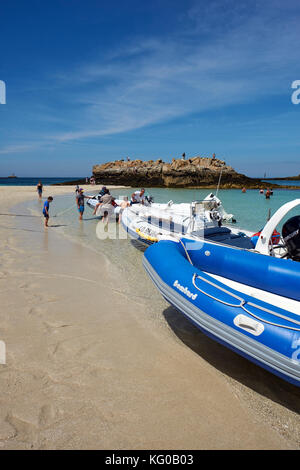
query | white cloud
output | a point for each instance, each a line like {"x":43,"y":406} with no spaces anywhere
{"x":17,"y":148}
{"x":219,"y":57}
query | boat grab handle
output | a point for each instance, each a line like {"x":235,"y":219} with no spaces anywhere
{"x":242,"y":304}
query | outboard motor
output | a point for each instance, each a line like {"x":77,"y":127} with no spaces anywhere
{"x":291,"y":237}
{"x":149,"y":199}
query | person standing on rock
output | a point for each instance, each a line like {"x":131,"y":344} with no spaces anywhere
{"x":214,"y":156}
{"x":183,"y":156}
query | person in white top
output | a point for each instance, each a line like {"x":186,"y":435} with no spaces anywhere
{"x":138,"y":197}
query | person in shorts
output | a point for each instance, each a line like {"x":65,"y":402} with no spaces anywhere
{"x":80,"y":202}
{"x":46,"y":210}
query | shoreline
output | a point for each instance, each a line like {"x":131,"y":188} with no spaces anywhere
{"x":87,"y":367}
{"x":210,"y":187}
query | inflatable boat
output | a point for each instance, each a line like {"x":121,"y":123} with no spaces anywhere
{"x":247,"y":300}
{"x":151,"y":223}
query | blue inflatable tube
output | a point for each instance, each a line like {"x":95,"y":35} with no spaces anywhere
{"x":262,"y":332}
{"x":280,"y":276}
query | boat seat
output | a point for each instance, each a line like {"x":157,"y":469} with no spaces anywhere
{"x":225,"y":236}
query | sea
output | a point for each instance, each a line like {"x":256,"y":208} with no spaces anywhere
{"x":33,"y":181}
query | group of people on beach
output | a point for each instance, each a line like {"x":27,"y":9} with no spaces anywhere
{"x":107,"y":203}
{"x":105,"y":206}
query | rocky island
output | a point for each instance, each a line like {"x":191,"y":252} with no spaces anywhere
{"x":200,"y":172}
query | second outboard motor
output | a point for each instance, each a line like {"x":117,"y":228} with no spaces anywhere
{"x":291,"y":237}
{"x":149,"y":199}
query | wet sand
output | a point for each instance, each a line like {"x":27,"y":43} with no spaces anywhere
{"x":87,"y":368}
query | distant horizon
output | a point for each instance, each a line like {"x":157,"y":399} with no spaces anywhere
{"x":43,"y":177}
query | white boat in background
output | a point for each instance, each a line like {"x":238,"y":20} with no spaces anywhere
{"x":183,"y":210}
{"x":155,"y":222}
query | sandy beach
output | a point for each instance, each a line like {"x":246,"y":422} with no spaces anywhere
{"x":86,"y":368}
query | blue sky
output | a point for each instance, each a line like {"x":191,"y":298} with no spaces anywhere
{"x":92,"y":81}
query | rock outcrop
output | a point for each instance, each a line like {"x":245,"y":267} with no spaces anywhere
{"x":192,"y":172}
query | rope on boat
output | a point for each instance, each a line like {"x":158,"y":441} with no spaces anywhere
{"x":186,"y":252}
{"x":242,"y":304}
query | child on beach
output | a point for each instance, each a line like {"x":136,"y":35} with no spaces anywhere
{"x":46,"y":210}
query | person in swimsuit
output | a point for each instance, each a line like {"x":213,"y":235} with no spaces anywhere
{"x":125,"y":203}
{"x":40,"y":189}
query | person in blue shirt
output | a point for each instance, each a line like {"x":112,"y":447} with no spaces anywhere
{"x":46,"y":210}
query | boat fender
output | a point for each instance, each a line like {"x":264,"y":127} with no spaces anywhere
{"x":146,"y":237}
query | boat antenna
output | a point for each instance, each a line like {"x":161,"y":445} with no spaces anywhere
{"x":219,"y":182}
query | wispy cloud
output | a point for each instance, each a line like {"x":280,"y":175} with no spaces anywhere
{"x":17,"y":148}
{"x":149,"y":81}
{"x":225,"y":53}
